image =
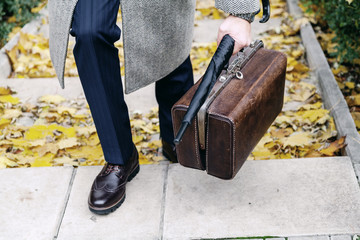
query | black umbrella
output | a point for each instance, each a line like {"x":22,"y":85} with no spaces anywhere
{"x":217,"y":63}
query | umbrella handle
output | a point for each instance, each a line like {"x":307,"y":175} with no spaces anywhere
{"x":266,"y":11}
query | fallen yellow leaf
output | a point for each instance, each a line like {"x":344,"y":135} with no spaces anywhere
{"x":68,"y":143}
{"x":44,"y":161}
{"x":56,"y":99}
{"x":298,"y":139}
{"x":11,"y":113}
{"x":4,"y":122}
{"x":9,"y":99}
{"x":7,"y":162}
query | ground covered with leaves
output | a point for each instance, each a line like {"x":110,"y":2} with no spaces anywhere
{"x":58,"y":131}
{"x":347,"y":73}
{"x":305,"y":128}
{"x":14,"y":14}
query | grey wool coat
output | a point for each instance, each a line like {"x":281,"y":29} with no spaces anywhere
{"x":157,"y":35}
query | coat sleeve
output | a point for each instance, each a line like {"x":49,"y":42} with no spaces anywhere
{"x":239,"y":8}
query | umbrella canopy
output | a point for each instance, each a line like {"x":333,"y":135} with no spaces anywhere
{"x":217,"y":63}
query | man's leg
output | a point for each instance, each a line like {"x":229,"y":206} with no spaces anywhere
{"x":168,"y":91}
{"x":94,"y":27}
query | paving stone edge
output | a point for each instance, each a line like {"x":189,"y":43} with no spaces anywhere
{"x":331,"y":93}
{"x":31,"y":27}
{"x":66,"y":200}
{"x":165,"y":186}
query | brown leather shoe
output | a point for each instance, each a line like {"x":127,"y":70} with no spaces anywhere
{"x":169,"y":151}
{"x":108,"y":190}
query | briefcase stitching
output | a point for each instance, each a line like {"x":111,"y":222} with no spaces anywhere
{"x":196,"y":144}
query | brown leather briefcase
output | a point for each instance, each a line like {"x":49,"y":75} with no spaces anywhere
{"x":245,"y":100}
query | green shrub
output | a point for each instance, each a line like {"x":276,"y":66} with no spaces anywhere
{"x":342,"y":17}
{"x":14,"y":13}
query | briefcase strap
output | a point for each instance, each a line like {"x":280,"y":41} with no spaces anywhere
{"x":233,"y":71}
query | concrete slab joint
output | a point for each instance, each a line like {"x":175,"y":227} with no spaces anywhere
{"x":357,"y":170}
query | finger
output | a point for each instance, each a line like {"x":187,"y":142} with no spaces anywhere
{"x":239,"y":45}
{"x":219,"y":37}
{"x":237,"y":48}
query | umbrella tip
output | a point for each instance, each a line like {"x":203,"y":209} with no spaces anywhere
{"x":181,"y":132}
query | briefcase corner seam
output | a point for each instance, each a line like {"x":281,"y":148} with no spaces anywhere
{"x":196,"y":144}
{"x":184,"y":107}
{"x":229,"y":121}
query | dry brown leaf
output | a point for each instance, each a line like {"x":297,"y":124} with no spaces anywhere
{"x":5,"y":91}
{"x":353,"y":100}
{"x":334,"y":147}
{"x":46,"y":148}
{"x":281,"y":133}
{"x":356,"y":117}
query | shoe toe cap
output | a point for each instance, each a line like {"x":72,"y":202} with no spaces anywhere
{"x":103,"y":199}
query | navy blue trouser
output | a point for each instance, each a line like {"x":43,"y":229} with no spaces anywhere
{"x":94,"y":27}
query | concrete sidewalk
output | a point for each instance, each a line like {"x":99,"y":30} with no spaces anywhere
{"x":286,"y":198}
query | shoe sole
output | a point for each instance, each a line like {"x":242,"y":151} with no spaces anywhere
{"x":105,"y":211}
